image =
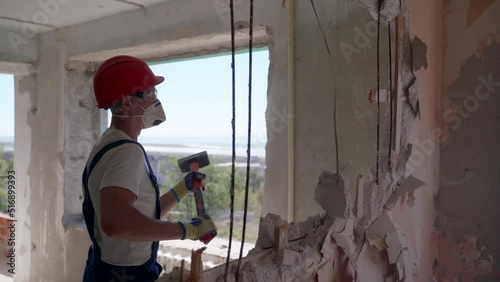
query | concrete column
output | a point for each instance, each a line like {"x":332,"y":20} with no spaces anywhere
{"x":46,"y":166}
{"x":25,"y":97}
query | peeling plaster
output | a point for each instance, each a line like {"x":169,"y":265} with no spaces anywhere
{"x":391,"y":178}
{"x":460,"y":260}
{"x":476,"y":9}
{"x":461,"y":41}
{"x":407,"y":188}
{"x":419,"y":52}
{"x":470,"y":161}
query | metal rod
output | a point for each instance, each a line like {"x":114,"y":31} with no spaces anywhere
{"x":291,"y":111}
{"x":390,"y":92}
{"x":378,"y":90}
{"x":247,"y":181}
{"x":233,"y":123}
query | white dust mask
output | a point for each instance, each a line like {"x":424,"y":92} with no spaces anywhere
{"x":152,"y":115}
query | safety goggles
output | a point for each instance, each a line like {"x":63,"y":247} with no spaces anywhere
{"x":150,"y":95}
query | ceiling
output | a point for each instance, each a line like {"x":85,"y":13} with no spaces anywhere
{"x":31,"y":16}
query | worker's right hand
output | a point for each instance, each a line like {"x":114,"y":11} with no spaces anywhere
{"x":186,"y":185}
{"x":197,"y":228}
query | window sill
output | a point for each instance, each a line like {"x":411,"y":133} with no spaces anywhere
{"x":75,"y":222}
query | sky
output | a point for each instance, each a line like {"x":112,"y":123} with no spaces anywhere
{"x":196,"y":96}
{"x":7,"y":105}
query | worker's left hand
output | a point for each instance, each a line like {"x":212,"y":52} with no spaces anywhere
{"x":186,"y":186}
{"x":197,"y":228}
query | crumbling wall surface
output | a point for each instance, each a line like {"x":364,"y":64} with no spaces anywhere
{"x":322,"y":248}
{"x":79,"y":136}
{"x":82,"y":129}
{"x":467,"y":201}
{"x":382,"y":229}
{"x":351,"y":29}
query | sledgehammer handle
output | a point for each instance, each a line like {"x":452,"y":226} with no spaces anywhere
{"x":198,"y":192}
{"x":200,"y":204}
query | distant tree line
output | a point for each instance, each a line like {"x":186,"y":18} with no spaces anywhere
{"x":217,"y":194}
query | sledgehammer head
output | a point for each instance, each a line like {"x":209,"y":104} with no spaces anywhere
{"x":200,"y":158}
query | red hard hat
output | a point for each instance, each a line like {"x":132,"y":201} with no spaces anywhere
{"x":121,"y":76}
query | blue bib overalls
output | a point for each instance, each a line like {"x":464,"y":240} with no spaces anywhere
{"x":98,"y":271}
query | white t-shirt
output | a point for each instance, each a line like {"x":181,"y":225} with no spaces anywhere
{"x":123,"y":166}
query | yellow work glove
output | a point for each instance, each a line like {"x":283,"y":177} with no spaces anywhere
{"x":185,"y":186}
{"x":197,"y":228}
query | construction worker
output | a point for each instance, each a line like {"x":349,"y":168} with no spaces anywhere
{"x":122,"y":206}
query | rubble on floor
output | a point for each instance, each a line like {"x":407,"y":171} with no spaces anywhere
{"x":322,"y":248}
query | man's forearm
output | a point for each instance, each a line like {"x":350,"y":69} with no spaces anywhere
{"x":168,"y":202}
{"x":138,"y":227}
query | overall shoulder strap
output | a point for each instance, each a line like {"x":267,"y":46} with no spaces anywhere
{"x":105,"y":149}
{"x":97,"y":157}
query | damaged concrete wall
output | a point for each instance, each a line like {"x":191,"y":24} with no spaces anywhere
{"x":352,"y":35}
{"x":386,"y":231}
{"x":80,"y":136}
{"x":467,"y":202}
{"x":350,"y":28}
{"x":82,"y":129}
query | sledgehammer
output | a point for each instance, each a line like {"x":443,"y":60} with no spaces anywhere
{"x":194,"y":163}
